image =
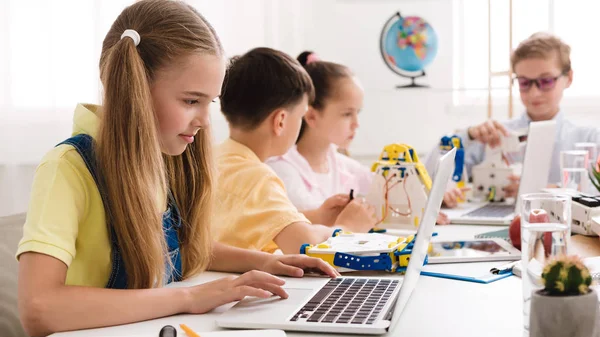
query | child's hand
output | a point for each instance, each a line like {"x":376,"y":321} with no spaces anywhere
{"x":295,"y":265}
{"x":357,"y":216}
{"x":489,"y":132}
{"x":452,"y":197}
{"x":331,"y":208}
{"x":206,"y":297}
{"x":442,"y":219}
{"x":512,"y":188}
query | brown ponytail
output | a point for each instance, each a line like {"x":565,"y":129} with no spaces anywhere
{"x":324,"y":76}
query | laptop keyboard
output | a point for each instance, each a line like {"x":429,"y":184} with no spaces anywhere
{"x":347,"y":300}
{"x":492,"y":211}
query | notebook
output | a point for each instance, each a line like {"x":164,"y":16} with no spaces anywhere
{"x":499,"y":234}
{"x":477,"y":272}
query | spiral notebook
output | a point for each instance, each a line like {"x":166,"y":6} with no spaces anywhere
{"x":499,"y":234}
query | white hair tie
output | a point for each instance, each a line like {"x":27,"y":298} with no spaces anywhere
{"x":133,"y":35}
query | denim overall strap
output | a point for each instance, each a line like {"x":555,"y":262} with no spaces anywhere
{"x":171,"y":220}
{"x":171,"y":226}
{"x":84,"y":144}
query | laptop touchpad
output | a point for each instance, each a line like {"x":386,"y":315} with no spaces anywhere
{"x":296,"y":297}
{"x":265,"y":311}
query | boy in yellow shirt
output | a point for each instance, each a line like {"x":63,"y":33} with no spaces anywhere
{"x":264,"y":97}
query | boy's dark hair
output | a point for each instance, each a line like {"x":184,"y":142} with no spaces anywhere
{"x":260,"y":82}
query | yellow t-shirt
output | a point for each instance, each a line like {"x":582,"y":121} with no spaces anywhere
{"x":66,"y":217}
{"x":252,"y":206}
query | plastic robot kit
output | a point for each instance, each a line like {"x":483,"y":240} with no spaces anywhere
{"x":348,"y":252}
{"x":490,"y":176}
{"x":459,"y":176}
{"x":399,"y":193}
{"x":399,"y":189}
{"x":585,"y":211}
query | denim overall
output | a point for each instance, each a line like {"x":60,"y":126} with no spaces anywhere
{"x":171,"y":222}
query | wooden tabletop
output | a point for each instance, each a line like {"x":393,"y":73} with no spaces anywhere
{"x":585,"y":246}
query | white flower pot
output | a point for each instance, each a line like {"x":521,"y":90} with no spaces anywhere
{"x":554,"y":316}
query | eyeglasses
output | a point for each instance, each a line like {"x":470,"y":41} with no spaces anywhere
{"x":543,"y":83}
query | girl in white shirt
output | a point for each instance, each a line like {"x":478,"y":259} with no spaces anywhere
{"x":317,"y":177}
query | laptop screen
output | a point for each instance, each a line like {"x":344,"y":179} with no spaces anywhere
{"x":538,"y":157}
{"x":417,"y":257}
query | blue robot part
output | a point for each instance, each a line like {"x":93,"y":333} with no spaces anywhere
{"x":447,"y":143}
{"x":381,"y":262}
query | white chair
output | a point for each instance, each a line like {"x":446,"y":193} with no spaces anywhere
{"x":11,"y":230}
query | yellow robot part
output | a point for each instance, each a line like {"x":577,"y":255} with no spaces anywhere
{"x":394,"y":153}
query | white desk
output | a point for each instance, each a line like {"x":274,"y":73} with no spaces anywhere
{"x":438,"y":307}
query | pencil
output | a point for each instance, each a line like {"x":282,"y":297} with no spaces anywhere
{"x":188,"y":331}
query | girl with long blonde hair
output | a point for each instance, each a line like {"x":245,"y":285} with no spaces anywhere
{"x":124,"y":205}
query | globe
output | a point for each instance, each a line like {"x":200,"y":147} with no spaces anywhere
{"x":408,"y":45}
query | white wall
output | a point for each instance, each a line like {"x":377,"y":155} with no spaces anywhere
{"x":347,"y":31}
{"x":344,"y":31}
{"x":390,"y":115}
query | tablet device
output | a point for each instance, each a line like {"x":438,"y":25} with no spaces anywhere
{"x":472,"y":250}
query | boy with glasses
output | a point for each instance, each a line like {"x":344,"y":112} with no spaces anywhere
{"x":542,"y":69}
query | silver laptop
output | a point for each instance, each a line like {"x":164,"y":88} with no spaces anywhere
{"x":346,"y":305}
{"x":536,"y":168}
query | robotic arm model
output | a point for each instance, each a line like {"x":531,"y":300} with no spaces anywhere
{"x":400,"y":187}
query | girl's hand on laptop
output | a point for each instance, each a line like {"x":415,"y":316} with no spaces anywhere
{"x":512,"y":188}
{"x":208,"y":296}
{"x":296,"y":265}
{"x":358,"y":216}
{"x":332,"y":207}
{"x":489,"y":132}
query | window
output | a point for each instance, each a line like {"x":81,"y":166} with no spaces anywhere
{"x":50,"y":62}
{"x":51,"y":56}
{"x":51,"y":52}
{"x":562,"y":17}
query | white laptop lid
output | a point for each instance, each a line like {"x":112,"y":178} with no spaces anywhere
{"x":538,"y":157}
{"x":432,"y":209}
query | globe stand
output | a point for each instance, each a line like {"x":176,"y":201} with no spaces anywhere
{"x":412,"y":84}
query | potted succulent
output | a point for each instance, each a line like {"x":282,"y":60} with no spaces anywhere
{"x":566,"y":306}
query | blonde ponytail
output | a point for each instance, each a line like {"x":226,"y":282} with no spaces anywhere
{"x":135,"y":175}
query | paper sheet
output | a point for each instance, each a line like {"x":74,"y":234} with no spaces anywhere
{"x":231,"y":333}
